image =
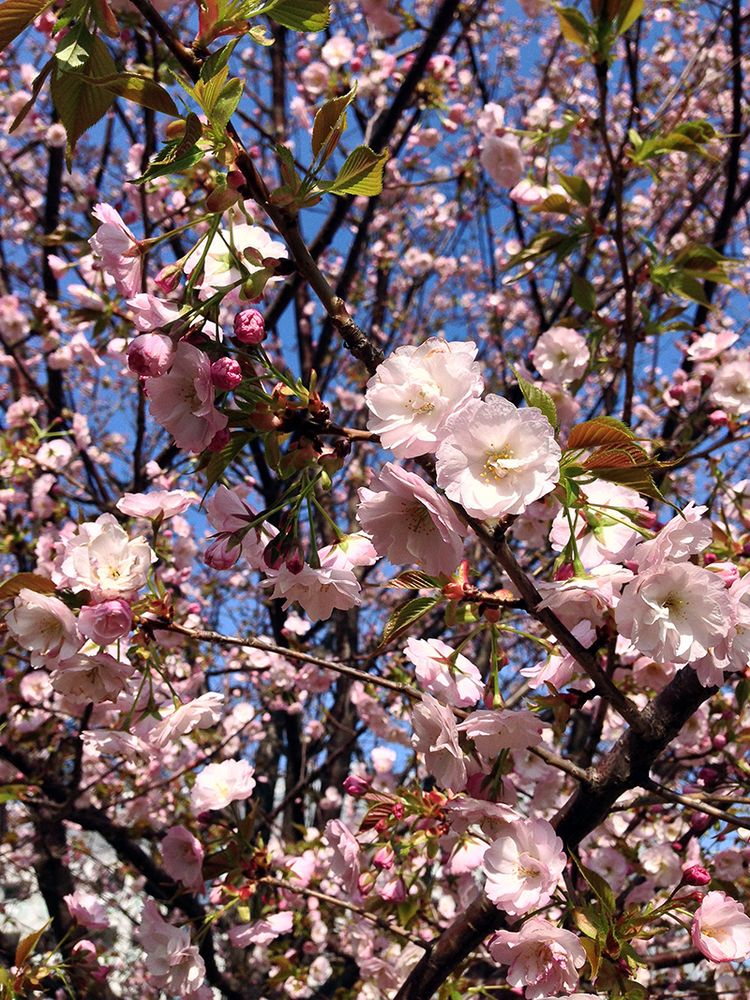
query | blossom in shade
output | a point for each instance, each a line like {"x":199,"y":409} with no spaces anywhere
{"x":523,"y":866}
{"x":721,"y":929}
{"x":43,"y":624}
{"x":448,"y":675}
{"x":172,"y":962}
{"x":219,"y":784}
{"x":262,"y":931}
{"x":541,"y":957}
{"x":493,"y":730}
{"x":104,"y":623}
{"x":87,"y":910}
{"x":182,"y":856}
{"x":436,"y":736}
{"x":675,"y":614}
{"x":160,"y":503}
{"x":497,"y":459}
{"x":102,"y":558}
{"x":95,"y":678}
{"x":182,"y":401}
{"x":410,"y":523}
{"x":416,"y":389}
{"x":560,"y":355}
{"x":117,"y":250}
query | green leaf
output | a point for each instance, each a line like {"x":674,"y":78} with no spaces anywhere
{"x":329,"y":119}
{"x":362,"y":173}
{"x":556,"y":203}
{"x":539,"y":398}
{"x":75,"y":48}
{"x":226,"y":103}
{"x":602,"y":889}
{"x":179,"y":154}
{"x":140,"y":90}
{"x":584,"y":294}
{"x":576,"y":187}
{"x":300,"y":15}
{"x":13,"y":586}
{"x":17,"y":15}
{"x":11,"y":793}
{"x":79,"y":103}
{"x":629,"y":15}
{"x":574,"y":26}
{"x":35,"y":88}
{"x":406,"y":615}
{"x":217,"y":61}
{"x":413,"y":579}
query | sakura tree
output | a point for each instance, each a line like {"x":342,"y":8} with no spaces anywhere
{"x":375,"y":595}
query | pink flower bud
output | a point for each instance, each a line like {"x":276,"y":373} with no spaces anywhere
{"x":150,"y":354}
{"x":699,"y":822}
{"x":719,"y":741}
{"x":696,"y":875}
{"x":356,"y":785}
{"x":384,"y":858}
{"x":226,"y":373}
{"x":219,"y":440}
{"x":221,"y":554}
{"x":105,"y":622}
{"x":393,"y":891}
{"x":168,"y":278}
{"x":250,"y":327}
{"x":718,"y":418}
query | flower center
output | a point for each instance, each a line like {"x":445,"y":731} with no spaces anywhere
{"x":422,"y":398}
{"x":498,"y":464}
{"x":418,"y":520}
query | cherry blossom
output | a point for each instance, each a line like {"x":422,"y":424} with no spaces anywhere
{"x":523,"y":866}
{"x":540,"y":957}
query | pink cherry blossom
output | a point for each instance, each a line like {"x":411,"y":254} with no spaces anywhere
{"x":172,"y":962}
{"x":721,"y":928}
{"x":95,"y":678}
{"x":182,"y":401}
{"x":523,"y":866}
{"x":345,"y":857}
{"x":410,"y":523}
{"x":540,"y":957}
{"x":201,"y":713}
{"x":87,"y":910}
{"x":604,"y":528}
{"x":43,"y":624}
{"x":416,"y":390}
{"x":262,"y":931}
{"x":118,"y":250}
{"x":105,"y":622}
{"x":160,"y":503}
{"x":318,"y":591}
{"x":493,"y":730}
{"x":182,"y":857}
{"x":496,"y":459}
{"x":102,"y":558}
{"x":560,"y":355}
{"x":150,"y":354}
{"x":501,"y":157}
{"x":436,"y":736}
{"x":730,"y":388}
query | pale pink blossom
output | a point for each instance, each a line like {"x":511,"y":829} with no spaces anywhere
{"x":118,"y":250}
{"x":337,"y":51}
{"x":524,"y":866}
{"x":87,"y":910}
{"x":675,"y":614}
{"x":685,"y":535}
{"x":721,"y":929}
{"x":496,"y":459}
{"x":710,"y":345}
{"x":182,"y":401}
{"x":201,"y":713}
{"x":528,"y":193}
{"x":730,"y":388}
{"x":100,"y":557}
{"x":345,"y":857}
{"x":561,"y":355}
{"x":262,"y":931}
{"x":44,"y":625}
{"x":228,"y":512}
{"x":501,"y":157}
{"x":318,"y":591}
{"x":152,"y":313}
{"x":436,"y":736}
{"x":219,"y":784}
{"x":242,"y":244}
{"x":182,"y":857}
{"x":172,"y":962}
{"x":410,"y":523}
{"x":348,"y":552}
{"x":493,"y":730}
{"x":604,"y":525}
{"x":414,"y":392}
{"x":380,"y":20}
{"x":159,"y":504}
{"x":541,"y":957}
{"x":445,"y":673}
{"x":104,"y":623}
{"x":491,"y":119}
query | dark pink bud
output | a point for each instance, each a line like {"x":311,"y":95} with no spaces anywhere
{"x":696,"y":875}
{"x":295,"y":563}
{"x":718,"y":418}
{"x":384,"y":858}
{"x":219,"y":440}
{"x":226,"y":374}
{"x":565,"y":572}
{"x":719,"y":741}
{"x":356,"y":785}
{"x":221,"y":554}
{"x":150,"y":354}
{"x":709,"y":558}
{"x":250,"y":327}
{"x":168,"y":278}
{"x":699,"y":822}
{"x":397,"y":809}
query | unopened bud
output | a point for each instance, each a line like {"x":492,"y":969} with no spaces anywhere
{"x":226,"y":374}
{"x":696,"y":875}
{"x":250,"y":327}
